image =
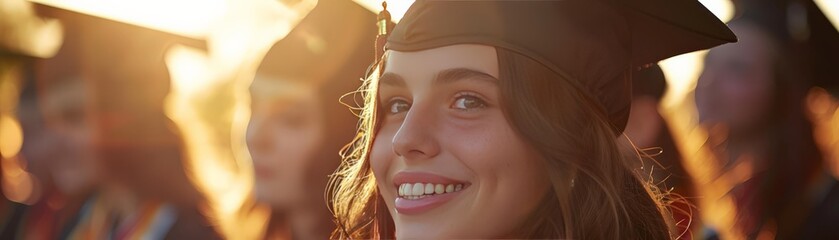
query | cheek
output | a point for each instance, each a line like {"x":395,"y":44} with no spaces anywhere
{"x":510,"y":182}
{"x":299,"y":149}
{"x":508,"y":166}
{"x":381,"y":155}
{"x":290,"y":158}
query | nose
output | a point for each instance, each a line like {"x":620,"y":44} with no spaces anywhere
{"x":255,"y":138}
{"x":416,"y":138}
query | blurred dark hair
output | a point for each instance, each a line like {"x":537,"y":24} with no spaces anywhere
{"x":793,"y":157}
{"x":649,"y":81}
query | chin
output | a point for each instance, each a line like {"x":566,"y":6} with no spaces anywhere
{"x":264,"y":195}
{"x":448,"y":231}
{"x":423,"y":233}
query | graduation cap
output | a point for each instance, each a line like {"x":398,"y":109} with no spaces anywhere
{"x":806,"y":37}
{"x":332,"y":42}
{"x":123,"y":65}
{"x":593,"y":43}
{"x":329,"y":51}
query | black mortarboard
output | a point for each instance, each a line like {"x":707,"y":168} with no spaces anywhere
{"x":809,"y":39}
{"x":332,"y":42}
{"x":594,"y":43}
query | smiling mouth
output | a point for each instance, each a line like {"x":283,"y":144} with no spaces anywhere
{"x":419,"y":192}
{"x":414,"y":191}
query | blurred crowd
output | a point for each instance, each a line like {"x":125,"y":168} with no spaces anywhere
{"x":89,"y":151}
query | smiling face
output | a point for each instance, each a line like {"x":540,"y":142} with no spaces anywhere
{"x":446,"y":160}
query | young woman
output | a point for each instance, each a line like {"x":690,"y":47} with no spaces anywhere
{"x":499,"y":119}
{"x":298,"y":126}
{"x":749,"y":99}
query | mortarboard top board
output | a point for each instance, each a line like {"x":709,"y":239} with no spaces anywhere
{"x":123,"y":67}
{"x":593,"y":43}
{"x":804,"y":33}
{"x":333,"y":41}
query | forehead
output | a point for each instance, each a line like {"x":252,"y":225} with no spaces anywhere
{"x":754,"y":46}
{"x":266,"y":87}
{"x":427,"y":63}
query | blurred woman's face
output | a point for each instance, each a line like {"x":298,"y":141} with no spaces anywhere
{"x":73,"y":165}
{"x":284,"y":135}
{"x":736,"y":85}
{"x":446,"y":160}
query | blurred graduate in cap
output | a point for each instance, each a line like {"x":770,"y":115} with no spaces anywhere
{"x":104,"y":93}
{"x":25,"y":211}
{"x":750,"y":98}
{"x":501,"y":119}
{"x":298,"y":126}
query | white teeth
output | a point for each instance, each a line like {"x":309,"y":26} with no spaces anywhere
{"x":420,"y":190}
{"x":402,"y":190}
{"x":429,"y":188}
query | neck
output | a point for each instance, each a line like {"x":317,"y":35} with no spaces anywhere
{"x":748,"y":142}
{"x":311,"y":224}
{"x":302,"y":222}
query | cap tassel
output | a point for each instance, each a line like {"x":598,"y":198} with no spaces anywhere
{"x":384,"y":24}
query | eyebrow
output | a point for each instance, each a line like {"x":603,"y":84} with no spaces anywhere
{"x":392,"y":80}
{"x":447,"y":76}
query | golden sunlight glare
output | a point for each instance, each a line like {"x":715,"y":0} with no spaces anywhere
{"x":210,"y":103}
{"x":397,"y":8}
{"x":189,"y":18}
{"x":677,"y":106}
{"x":830,"y":8}
{"x":18,"y":185}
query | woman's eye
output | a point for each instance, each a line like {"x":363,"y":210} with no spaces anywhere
{"x":398,"y":106}
{"x":468,"y":103}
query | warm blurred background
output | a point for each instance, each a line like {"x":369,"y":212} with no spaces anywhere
{"x":190,"y":119}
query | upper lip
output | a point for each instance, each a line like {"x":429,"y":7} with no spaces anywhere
{"x":423,"y":177}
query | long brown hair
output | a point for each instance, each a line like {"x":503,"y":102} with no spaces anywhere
{"x":594,"y":195}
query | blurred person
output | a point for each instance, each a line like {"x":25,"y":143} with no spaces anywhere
{"x":71,"y":165}
{"x":298,"y":126}
{"x":749,"y":98}
{"x":823,"y":106}
{"x":820,"y":55}
{"x":649,"y":132}
{"x":499,"y":119}
{"x":36,"y":217}
{"x":58,"y":150}
{"x":108,"y":103}
{"x":55,"y":147}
